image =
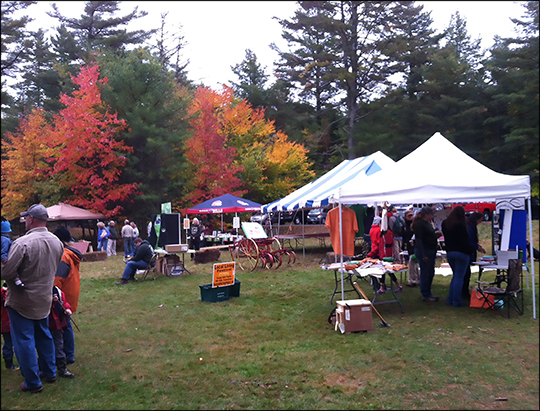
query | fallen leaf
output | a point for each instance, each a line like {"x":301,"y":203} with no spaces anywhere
{"x":128,"y":350}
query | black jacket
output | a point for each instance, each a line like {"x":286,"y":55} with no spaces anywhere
{"x":144,"y":252}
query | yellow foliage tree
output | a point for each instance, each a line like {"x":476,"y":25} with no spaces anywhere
{"x":268,"y":165}
{"x":24,"y":167}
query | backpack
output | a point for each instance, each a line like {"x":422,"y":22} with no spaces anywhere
{"x":397,"y":228}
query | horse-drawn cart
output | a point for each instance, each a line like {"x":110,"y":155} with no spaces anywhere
{"x":257,"y":250}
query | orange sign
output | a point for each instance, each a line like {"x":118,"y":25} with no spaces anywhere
{"x":223,"y":274}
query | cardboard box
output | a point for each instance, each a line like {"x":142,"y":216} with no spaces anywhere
{"x":176,"y":248}
{"x":354,"y":315}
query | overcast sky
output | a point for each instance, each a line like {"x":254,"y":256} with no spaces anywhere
{"x":218,"y":32}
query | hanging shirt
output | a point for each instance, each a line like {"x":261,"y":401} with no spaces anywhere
{"x":349,"y":230}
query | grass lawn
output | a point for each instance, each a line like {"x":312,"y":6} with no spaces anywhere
{"x":155,"y":345}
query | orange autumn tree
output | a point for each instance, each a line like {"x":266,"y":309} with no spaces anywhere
{"x":211,"y":159}
{"x":24,"y":165}
{"x":86,"y":153}
{"x":265,"y":163}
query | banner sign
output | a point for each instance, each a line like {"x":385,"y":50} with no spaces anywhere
{"x":223,"y":274}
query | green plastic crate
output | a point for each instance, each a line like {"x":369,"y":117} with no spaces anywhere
{"x":217,"y":294}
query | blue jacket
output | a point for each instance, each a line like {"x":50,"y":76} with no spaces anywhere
{"x":6,"y":243}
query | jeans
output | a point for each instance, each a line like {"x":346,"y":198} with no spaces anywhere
{"x":459,"y":263}
{"x":102,"y":244}
{"x":132,"y":266}
{"x":427,"y":270}
{"x":69,"y":341}
{"x":29,"y":336}
{"x":7,"y":348}
{"x":129,"y":247}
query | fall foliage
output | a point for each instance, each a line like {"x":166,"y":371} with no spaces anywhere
{"x":24,"y":166}
{"x":235,"y":149}
{"x":78,"y":152}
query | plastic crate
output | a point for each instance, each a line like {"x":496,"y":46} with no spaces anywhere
{"x":217,"y":294}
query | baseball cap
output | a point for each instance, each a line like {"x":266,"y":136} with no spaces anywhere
{"x":63,"y":234}
{"x":6,"y":227}
{"x":37,"y":211}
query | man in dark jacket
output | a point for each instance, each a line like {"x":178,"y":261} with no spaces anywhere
{"x":141,"y":259}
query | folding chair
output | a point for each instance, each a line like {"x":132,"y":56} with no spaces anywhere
{"x":150,"y":267}
{"x":505,"y":299}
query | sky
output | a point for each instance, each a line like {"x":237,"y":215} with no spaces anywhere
{"x":218,"y":33}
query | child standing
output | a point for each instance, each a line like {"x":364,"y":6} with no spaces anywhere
{"x":6,"y":239}
{"x":57,"y":324}
{"x":7,"y":348}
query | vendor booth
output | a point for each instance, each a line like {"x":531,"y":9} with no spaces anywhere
{"x":439,"y":172}
{"x":317,"y":193}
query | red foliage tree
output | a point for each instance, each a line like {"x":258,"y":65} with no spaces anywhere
{"x":86,"y":153}
{"x":213,"y":161}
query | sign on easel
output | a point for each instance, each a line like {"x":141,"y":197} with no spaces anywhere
{"x":223,"y":274}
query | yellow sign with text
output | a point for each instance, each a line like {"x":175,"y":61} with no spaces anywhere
{"x":223,"y":274}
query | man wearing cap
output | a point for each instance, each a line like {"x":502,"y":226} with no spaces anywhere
{"x":111,"y":245}
{"x":68,"y":279}
{"x":34,"y":257}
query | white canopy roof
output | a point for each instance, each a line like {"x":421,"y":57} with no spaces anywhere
{"x":316,"y":193}
{"x":436,"y":172}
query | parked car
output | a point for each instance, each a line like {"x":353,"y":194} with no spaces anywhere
{"x":317,"y":216}
{"x":262,"y":218}
{"x":486,"y":209}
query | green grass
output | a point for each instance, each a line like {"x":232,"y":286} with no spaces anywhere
{"x":155,"y":345}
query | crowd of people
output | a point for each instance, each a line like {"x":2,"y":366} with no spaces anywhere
{"x":36,"y":268}
{"x":418,"y":235}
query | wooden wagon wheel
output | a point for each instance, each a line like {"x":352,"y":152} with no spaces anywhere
{"x":246,"y":253}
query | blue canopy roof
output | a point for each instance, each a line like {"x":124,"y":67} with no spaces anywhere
{"x":227,"y":203}
{"x":318,"y":192}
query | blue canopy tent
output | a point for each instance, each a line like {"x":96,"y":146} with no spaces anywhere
{"x":318,"y":192}
{"x":227,"y":203}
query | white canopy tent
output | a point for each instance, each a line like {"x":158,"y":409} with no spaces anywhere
{"x":316,"y":194}
{"x":439,"y":172}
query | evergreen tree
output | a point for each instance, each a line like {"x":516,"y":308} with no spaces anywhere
{"x":252,"y":81}
{"x":513,"y":112}
{"x":99,"y":29}
{"x":168,"y":49}
{"x":154,"y":106}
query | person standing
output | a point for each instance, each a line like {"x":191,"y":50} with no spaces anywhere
{"x":414,"y":270}
{"x":195,"y":232}
{"x":472,"y":228}
{"x":111,"y":244}
{"x":7,"y":349}
{"x":68,"y":279}
{"x":60,"y":311}
{"x":458,"y":251}
{"x":127,"y":238}
{"x":35,"y":257}
{"x":425,"y":249}
{"x":6,"y":239}
{"x":135,"y":235}
{"x":141,"y":259}
{"x":103,"y":236}
{"x":396,"y":224}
